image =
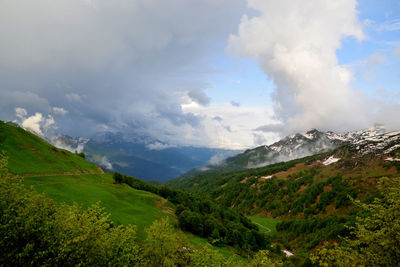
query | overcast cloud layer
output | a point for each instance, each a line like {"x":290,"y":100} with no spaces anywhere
{"x":113,"y":65}
{"x":142,"y":65}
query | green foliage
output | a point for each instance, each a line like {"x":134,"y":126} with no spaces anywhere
{"x":308,"y":233}
{"x":126,"y":205}
{"x":263,"y":259}
{"x":245,"y":192}
{"x":117,"y":177}
{"x":205,"y":218}
{"x":267,"y":225}
{"x":35,"y":231}
{"x":165,"y":246}
{"x":376,"y":233}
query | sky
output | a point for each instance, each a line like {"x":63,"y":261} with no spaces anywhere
{"x":210,"y":73}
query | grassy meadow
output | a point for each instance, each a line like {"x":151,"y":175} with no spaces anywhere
{"x":125,"y":204}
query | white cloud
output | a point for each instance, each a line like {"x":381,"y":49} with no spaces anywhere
{"x":295,"y":43}
{"x":105,"y":163}
{"x":20,"y":113}
{"x":370,"y":65}
{"x":158,"y":146}
{"x":224,"y":127}
{"x":33,"y":123}
{"x":59,"y":111}
{"x":36,"y":123}
{"x":49,"y":123}
{"x":388,"y":26}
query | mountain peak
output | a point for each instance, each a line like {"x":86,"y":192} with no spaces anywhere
{"x":313,"y":142}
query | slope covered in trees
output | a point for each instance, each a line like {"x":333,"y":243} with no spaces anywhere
{"x":311,"y":196}
{"x":203,"y":217}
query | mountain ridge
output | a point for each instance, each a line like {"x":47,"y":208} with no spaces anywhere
{"x":297,"y":146}
{"x":140,"y":156}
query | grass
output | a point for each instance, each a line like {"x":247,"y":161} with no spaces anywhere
{"x":29,"y":154}
{"x":126,"y":205}
{"x":266,"y":225}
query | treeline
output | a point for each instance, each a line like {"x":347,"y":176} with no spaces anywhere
{"x":208,"y":181}
{"x":205,"y":218}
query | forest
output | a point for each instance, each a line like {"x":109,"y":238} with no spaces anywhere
{"x":206,"y":218}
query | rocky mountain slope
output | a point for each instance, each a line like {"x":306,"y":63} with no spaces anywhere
{"x":306,"y":144}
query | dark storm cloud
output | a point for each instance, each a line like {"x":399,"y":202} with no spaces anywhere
{"x":200,"y":97}
{"x":112,"y":65}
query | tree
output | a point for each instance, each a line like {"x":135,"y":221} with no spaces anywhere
{"x":165,"y":246}
{"x":118,"y":178}
{"x":263,"y":259}
{"x":376,"y":239}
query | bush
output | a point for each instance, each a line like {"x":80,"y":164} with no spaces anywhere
{"x":35,"y":231}
{"x":118,"y":178}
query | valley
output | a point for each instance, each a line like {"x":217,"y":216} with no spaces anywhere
{"x":290,"y":209}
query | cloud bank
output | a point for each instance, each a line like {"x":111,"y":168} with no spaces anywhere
{"x":144,"y":67}
{"x":296,"y":43}
{"x":113,"y":65}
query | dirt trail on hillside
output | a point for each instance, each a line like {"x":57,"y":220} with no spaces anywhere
{"x":27,"y":175}
{"x":262,"y":226}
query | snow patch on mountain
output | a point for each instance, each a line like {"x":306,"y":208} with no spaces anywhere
{"x":392,"y":159}
{"x":373,"y":140}
{"x":330,"y":160}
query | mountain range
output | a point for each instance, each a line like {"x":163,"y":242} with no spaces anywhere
{"x":140,"y":156}
{"x":301,"y":145}
{"x":299,"y":204}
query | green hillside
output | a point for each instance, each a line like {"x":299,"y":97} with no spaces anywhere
{"x":67,"y":178}
{"x":311,"y":200}
{"x":302,"y":187}
{"x":30,"y":155}
{"x":125,"y":205}
{"x":291,"y":207}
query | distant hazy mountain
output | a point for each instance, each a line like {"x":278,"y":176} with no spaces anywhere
{"x":141,"y":156}
{"x":297,"y":146}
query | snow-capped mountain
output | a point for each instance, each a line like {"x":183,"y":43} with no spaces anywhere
{"x":373,"y":140}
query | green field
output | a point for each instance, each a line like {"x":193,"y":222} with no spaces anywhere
{"x":266,"y":225}
{"x":29,"y":154}
{"x":125,"y":204}
{"x":68,"y":178}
